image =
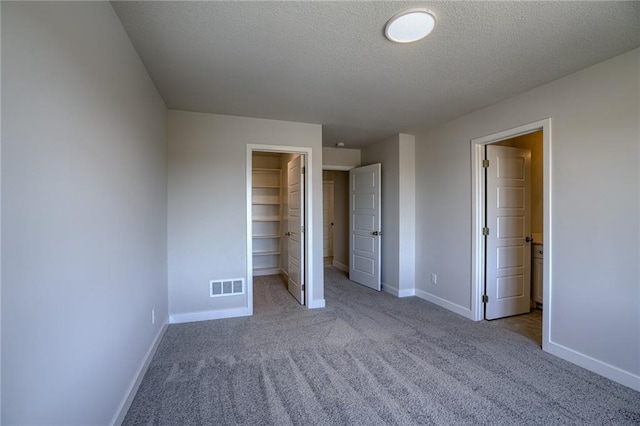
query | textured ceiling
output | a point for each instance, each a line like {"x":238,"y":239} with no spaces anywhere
{"x":329,"y":63}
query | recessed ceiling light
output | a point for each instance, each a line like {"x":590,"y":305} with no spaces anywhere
{"x":410,"y":25}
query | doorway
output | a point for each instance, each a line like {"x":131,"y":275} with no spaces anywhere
{"x":327,"y":221}
{"x":278,"y":219}
{"x":338,"y":255}
{"x":484,"y":265}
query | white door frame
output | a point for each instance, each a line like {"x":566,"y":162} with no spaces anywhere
{"x":478,"y":213}
{"x":308,"y":220}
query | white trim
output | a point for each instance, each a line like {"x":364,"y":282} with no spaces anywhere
{"x":407,"y":292}
{"x":338,"y":168}
{"x":389,"y":288}
{"x":209,"y":315}
{"x":396,"y":292}
{"x":315,"y":304}
{"x":460,"y":310}
{"x":609,"y":371}
{"x":340,"y":266}
{"x":308,"y":221}
{"x":121,"y":413}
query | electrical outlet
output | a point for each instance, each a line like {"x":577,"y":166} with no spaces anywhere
{"x":434,"y":278}
{"x":153,"y":316}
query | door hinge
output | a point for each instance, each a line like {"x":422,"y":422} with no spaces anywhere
{"x":485,"y":298}
{"x":304,"y":169}
{"x":302,"y":229}
{"x":485,"y":231}
{"x":303,"y":287}
{"x":485,"y":164}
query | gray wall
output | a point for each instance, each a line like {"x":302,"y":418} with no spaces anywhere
{"x":207,"y":219}
{"x":83,"y":213}
{"x":595,"y":190}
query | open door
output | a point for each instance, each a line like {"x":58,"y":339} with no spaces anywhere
{"x":295,"y":233}
{"x":508,"y":224}
{"x":364,"y":225}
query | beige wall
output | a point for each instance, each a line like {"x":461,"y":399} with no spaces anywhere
{"x":594,"y":248}
{"x":342,"y":158}
{"x":532,"y":142}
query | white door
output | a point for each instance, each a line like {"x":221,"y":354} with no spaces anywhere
{"x":508,"y":192}
{"x":295,"y":234}
{"x":327,"y":218}
{"x":364,"y":225}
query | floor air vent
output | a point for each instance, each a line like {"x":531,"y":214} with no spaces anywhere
{"x":227,"y":287}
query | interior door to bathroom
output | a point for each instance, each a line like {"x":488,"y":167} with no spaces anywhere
{"x":508,"y":223}
{"x":365,"y":232}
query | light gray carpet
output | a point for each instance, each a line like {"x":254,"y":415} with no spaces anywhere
{"x":367,"y":359}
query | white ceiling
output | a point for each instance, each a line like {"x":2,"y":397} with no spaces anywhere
{"x":329,"y":63}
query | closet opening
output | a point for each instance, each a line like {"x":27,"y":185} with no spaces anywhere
{"x":278,"y":199}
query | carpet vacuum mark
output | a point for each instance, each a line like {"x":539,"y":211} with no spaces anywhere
{"x":368,"y":358}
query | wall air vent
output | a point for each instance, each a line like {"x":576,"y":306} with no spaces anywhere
{"x":227,"y":287}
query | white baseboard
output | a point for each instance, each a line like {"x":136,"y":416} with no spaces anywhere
{"x":398,"y":293}
{"x":209,"y":315}
{"x":407,"y":293}
{"x":315,"y":304}
{"x":389,"y":289}
{"x":341,"y":266}
{"x":460,"y":310}
{"x":602,"y":368}
{"x":135,"y":383}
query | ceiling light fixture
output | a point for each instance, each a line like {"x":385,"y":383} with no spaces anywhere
{"x":340,"y":145}
{"x":410,"y":25}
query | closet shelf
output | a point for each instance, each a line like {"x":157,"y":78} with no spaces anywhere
{"x":265,"y":253}
{"x":266,"y":200}
{"x":267,"y":219}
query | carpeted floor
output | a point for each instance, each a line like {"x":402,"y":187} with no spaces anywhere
{"x":367,"y":359}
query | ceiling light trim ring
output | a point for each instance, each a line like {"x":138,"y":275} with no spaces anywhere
{"x":397,"y":38}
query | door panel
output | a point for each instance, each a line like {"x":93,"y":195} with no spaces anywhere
{"x":364,"y":224}
{"x":508,"y":195}
{"x":295,"y":234}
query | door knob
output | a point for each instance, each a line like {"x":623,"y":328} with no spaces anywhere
{"x":287,"y":234}
{"x":376,"y":233}
{"x":529,"y":239}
